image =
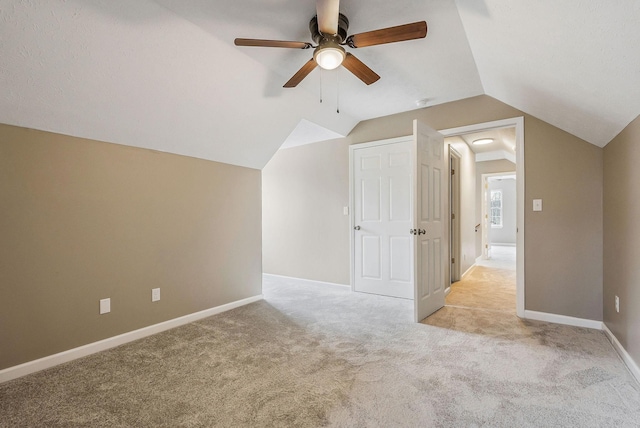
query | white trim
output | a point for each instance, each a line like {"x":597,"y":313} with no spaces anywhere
{"x":368,"y":144}
{"x":24,"y":369}
{"x":520,"y":208}
{"x":468,"y":271}
{"x":352,"y":258}
{"x":518,"y":123}
{"x":563,"y":319}
{"x":496,"y":124}
{"x":628,"y":360}
{"x":495,"y":155}
{"x":309,"y":281}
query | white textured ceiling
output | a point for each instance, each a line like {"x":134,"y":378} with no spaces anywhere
{"x":165,"y":74}
{"x":503,"y":145}
{"x":572,"y":63}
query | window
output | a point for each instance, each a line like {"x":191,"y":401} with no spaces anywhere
{"x":496,"y":209}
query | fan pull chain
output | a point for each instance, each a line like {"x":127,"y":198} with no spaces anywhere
{"x":321,"y":86}
{"x":337,"y":93}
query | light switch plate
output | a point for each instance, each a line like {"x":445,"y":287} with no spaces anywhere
{"x":345,"y":210}
{"x":537,"y":204}
{"x":155,"y":294}
{"x":105,"y":306}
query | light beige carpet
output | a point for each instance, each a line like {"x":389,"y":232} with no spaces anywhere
{"x":485,"y":288}
{"x":313,"y":355}
{"x":483,"y":302}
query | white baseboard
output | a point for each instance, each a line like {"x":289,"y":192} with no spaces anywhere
{"x":562,"y":319}
{"x":468,"y":271}
{"x":307,"y":281}
{"x":631,"y":364}
{"x":15,"y":372}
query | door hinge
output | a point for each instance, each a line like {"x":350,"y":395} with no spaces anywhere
{"x":453,"y":171}
{"x":453,"y":260}
{"x":453,"y":216}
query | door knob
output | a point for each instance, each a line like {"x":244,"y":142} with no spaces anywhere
{"x":421,"y":231}
{"x":357,"y":227}
{"x":413,"y":231}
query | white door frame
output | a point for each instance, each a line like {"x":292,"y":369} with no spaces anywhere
{"x":454,"y":226}
{"x":352,"y":224}
{"x":518,"y":123}
{"x":485,"y":211}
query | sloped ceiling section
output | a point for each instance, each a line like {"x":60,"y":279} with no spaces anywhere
{"x":165,"y":74}
{"x":574,"y":63}
{"x":134,"y":73}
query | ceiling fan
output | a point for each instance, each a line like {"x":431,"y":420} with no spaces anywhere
{"x":329,"y":32}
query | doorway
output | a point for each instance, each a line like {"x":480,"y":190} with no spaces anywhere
{"x":499,"y":230}
{"x":517,"y":155}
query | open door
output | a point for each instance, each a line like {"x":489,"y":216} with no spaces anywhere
{"x":430,"y":234}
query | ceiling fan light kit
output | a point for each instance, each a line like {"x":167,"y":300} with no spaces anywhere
{"x":329,"y":56}
{"x":329,"y":30}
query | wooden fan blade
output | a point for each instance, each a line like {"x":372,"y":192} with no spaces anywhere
{"x":272,"y":43}
{"x":416,"y":30}
{"x":328,"y":11}
{"x":301,"y":74}
{"x":359,"y":69}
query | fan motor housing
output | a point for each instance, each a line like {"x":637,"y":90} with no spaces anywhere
{"x":318,"y":37}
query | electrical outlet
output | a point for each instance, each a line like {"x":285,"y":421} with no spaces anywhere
{"x":105,"y":306}
{"x":155,"y":294}
{"x":617,"y":304}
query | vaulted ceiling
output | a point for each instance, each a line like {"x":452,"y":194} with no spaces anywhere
{"x":165,"y":74}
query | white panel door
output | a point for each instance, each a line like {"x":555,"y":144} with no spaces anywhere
{"x":383,"y":216}
{"x":431,"y":238}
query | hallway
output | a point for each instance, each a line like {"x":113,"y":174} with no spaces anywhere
{"x":484,"y":301}
{"x":485,"y":288}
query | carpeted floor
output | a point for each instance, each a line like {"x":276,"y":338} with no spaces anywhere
{"x":483,"y":302}
{"x":312,"y":355}
{"x":485,"y":288}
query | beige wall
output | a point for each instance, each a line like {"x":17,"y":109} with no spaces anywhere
{"x":563,"y":243}
{"x":83,"y":220}
{"x":305,"y":233}
{"x":622,"y":237}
